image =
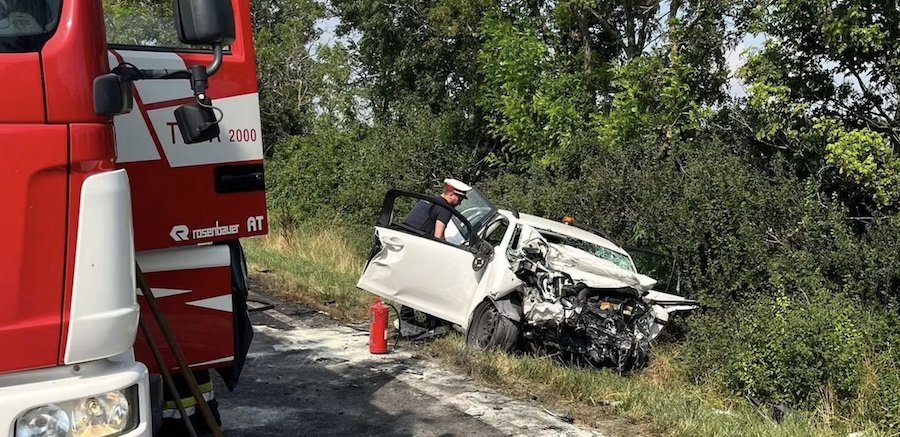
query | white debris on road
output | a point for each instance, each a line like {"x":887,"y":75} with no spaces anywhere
{"x":345,"y":350}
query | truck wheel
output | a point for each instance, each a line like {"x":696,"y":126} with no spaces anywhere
{"x":490,"y":329}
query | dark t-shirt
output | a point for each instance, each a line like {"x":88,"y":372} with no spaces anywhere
{"x":424,"y":215}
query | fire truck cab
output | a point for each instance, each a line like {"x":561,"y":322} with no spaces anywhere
{"x":95,"y":174}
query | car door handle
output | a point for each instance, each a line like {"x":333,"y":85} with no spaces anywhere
{"x":393,"y":242}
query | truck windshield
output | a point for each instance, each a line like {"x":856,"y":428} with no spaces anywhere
{"x":140,"y":24}
{"x":25,"y":25}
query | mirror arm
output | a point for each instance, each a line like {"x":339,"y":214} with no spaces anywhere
{"x":154,"y":74}
{"x":217,"y":60}
{"x":197,"y":74}
{"x":200,"y":75}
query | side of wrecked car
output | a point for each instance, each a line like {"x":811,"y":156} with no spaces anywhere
{"x":437,"y":277}
{"x":509,"y":279}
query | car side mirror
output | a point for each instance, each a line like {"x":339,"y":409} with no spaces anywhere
{"x":204,"y":22}
{"x":483,"y":252}
{"x":112,"y":95}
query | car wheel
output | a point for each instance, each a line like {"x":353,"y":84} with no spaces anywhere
{"x":490,"y":329}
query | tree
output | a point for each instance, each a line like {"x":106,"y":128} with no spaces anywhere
{"x":561,"y":70}
{"x":824,"y":91}
{"x":283,"y":31}
{"x":420,"y":47}
{"x":140,"y":22}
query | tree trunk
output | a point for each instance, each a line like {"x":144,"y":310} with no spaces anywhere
{"x":674,"y":6}
{"x":585,"y":31}
{"x":631,"y":49}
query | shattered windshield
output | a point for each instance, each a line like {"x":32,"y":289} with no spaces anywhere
{"x":617,"y":258}
{"x":608,"y":254}
{"x":475,"y":208}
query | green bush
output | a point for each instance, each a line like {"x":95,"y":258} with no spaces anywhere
{"x":340,"y":174}
{"x":880,"y":402}
{"x":816,"y":352}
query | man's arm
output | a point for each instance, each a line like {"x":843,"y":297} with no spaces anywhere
{"x":439,"y":228}
{"x":441,"y":220}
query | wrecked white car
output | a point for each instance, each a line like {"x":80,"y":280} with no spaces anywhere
{"x":513,"y":279}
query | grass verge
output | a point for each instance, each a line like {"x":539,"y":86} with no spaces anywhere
{"x":653,"y":398}
{"x":319,"y":267}
{"x":315,"y":267}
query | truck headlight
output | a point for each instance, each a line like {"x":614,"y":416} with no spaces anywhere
{"x":47,"y":420}
{"x":106,"y":414}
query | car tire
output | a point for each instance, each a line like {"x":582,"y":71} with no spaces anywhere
{"x":490,"y":329}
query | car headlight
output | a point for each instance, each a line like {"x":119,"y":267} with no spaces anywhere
{"x":106,"y":414}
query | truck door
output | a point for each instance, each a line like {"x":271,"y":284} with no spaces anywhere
{"x":33,"y":176}
{"x":186,"y":194}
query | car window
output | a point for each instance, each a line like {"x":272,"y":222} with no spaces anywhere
{"x":657,"y":265}
{"x":495,"y":231}
{"x":414,"y":216}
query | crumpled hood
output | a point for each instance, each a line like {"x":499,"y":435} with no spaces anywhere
{"x":613,"y":323}
{"x":593,"y":271}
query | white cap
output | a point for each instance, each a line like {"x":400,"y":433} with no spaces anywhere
{"x":458,"y":185}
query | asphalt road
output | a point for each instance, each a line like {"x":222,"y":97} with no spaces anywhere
{"x":308,"y":375}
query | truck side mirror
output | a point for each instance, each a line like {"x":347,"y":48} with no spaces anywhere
{"x":204,"y":22}
{"x":112,"y":95}
{"x":197,"y":122}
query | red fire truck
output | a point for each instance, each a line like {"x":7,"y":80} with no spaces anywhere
{"x":119,"y":142}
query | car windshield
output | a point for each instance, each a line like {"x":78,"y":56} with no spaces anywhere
{"x":475,"y":208}
{"x":617,"y":258}
{"x":620,"y":259}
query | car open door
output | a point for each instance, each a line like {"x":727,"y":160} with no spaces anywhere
{"x":433,"y":276}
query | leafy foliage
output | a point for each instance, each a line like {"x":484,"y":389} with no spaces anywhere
{"x":779,"y":208}
{"x":283,"y":31}
{"x":866,"y":159}
{"x":140,"y":22}
{"x":831,"y":63}
{"x":533,"y":108}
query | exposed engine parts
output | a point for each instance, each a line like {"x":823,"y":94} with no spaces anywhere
{"x":582,"y":323}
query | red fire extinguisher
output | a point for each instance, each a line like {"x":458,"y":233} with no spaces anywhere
{"x":378,"y":327}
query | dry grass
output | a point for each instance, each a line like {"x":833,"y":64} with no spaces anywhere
{"x":326,"y":247}
{"x":654,"y":401}
{"x":316,"y":267}
{"x":662,"y":370}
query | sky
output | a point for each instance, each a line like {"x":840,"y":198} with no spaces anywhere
{"x":737,"y":57}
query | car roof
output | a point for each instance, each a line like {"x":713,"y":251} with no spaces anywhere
{"x":562,"y":228}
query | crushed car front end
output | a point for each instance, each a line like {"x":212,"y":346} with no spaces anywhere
{"x":582,"y":302}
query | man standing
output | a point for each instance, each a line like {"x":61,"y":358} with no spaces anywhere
{"x":432,"y":220}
